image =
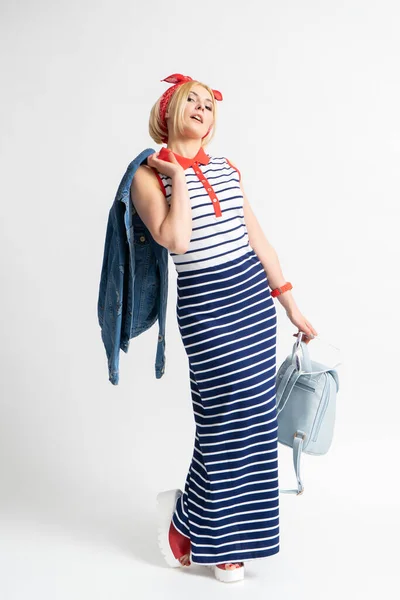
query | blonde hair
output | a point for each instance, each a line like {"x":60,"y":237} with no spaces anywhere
{"x":176,"y":108}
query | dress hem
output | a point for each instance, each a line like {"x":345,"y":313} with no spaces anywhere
{"x":238,"y":559}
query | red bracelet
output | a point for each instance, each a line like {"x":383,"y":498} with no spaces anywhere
{"x":280,"y":290}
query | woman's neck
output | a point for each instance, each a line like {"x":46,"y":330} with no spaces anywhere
{"x":187,"y":148}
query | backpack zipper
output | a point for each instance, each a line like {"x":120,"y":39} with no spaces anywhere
{"x":300,"y":384}
{"x":321,"y":411}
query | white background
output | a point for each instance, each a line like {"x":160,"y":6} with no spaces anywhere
{"x":311,"y":118}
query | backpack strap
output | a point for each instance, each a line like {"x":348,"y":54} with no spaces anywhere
{"x":297,"y":450}
{"x":286,"y":385}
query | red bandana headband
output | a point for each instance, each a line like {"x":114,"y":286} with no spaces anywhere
{"x":178,"y":79}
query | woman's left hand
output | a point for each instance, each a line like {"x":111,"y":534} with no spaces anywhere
{"x":302,"y":324}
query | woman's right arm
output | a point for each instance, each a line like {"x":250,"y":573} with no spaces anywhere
{"x":170,"y":225}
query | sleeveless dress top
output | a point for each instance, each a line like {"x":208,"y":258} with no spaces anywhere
{"x":219,"y":231}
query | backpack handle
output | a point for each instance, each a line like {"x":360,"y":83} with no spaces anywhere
{"x":301,"y":357}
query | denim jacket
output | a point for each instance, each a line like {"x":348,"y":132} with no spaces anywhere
{"x":134,"y":278}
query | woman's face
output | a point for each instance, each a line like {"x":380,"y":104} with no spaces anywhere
{"x":200,"y":104}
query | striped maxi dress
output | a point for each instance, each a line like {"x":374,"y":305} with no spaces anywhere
{"x":227,"y":320}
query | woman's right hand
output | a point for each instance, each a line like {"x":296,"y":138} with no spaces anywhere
{"x":163,"y":166}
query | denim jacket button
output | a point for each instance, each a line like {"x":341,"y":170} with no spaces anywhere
{"x":160,"y":337}
{"x":142,"y":238}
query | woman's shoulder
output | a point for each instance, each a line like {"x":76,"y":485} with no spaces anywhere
{"x":233,"y":166}
{"x":146,"y":175}
{"x":221,"y":158}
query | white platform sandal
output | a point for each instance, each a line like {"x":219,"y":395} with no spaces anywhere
{"x":228,"y":575}
{"x":166,"y":502}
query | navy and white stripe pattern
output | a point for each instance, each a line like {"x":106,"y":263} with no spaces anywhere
{"x":214,"y":239}
{"x":227,"y":320}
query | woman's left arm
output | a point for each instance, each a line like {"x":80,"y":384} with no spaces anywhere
{"x":269,"y":260}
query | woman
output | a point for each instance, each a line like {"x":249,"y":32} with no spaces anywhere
{"x":194,"y":204}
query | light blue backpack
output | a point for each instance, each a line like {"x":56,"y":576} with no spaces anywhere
{"x":306,"y":406}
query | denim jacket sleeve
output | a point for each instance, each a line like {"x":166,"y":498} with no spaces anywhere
{"x":109,"y":307}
